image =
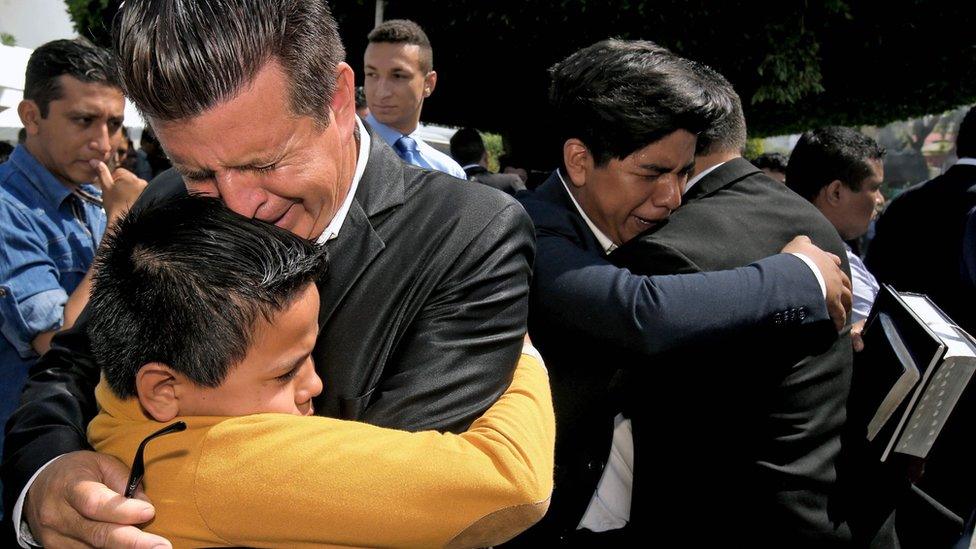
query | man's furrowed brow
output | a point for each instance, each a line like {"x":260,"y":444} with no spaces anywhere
{"x":190,"y":173}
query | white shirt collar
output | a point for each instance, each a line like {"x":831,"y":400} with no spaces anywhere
{"x":605,"y":242}
{"x":691,"y":182}
{"x":332,"y":230}
{"x":967,"y":161}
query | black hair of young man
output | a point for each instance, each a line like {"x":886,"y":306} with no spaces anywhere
{"x":467,"y":147}
{"x":619,"y":96}
{"x":78,"y":58}
{"x":771,"y":161}
{"x":205,"y":52}
{"x":827,"y":154}
{"x":966,"y":136}
{"x":182,"y":281}
{"x":726,"y":129}
{"x":405,"y":31}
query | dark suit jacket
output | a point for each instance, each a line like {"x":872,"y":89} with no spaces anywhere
{"x":423,"y":314}
{"x":918,"y":242}
{"x":592,"y":321}
{"x":505,"y":182}
{"x":760,"y":444}
{"x":918,"y":247}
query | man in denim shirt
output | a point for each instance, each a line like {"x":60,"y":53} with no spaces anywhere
{"x":52,"y":193}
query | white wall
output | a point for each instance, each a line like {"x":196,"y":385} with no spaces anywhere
{"x":34,"y":22}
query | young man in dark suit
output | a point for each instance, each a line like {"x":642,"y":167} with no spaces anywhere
{"x":424,"y":307}
{"x":631,"y":111}
{"x":761,"y":443}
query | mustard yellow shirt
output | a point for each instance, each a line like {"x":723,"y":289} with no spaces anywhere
{"x":277,"y":480}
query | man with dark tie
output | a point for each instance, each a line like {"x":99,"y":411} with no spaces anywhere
{"x":399,"y":70}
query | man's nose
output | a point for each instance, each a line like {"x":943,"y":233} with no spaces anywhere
{"x":238,"y":193}
{"x":102,"y":140}
{"x":668,"y":193}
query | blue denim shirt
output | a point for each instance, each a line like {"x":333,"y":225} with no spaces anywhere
{"x":48,"y":238}
{"x":430,"y":158}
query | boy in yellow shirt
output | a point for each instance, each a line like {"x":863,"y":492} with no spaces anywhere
{"x":202,"y":316}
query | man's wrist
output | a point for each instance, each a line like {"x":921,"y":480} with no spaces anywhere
{"x":816,"y":272}
{"x":21,"y":529}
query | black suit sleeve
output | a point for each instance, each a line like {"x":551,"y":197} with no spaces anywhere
{"x":969,"y":250}
{"x":460,"y":352}
{"x":584,"y":293}
{"x":59,"y":399}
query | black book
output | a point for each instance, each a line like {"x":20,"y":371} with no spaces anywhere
{"x":914,"y":370}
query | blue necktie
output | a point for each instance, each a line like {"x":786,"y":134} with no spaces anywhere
{"x":406,"y":148}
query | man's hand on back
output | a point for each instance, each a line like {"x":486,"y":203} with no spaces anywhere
{"x":839,"y":296}
{"x":76,"y":502}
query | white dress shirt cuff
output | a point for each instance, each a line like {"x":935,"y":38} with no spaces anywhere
{"x":816,"y":272}
{"x":24,"y":537}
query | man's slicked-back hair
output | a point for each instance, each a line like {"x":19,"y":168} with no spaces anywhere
{"x":179,"y":58}
{"x":467,"y":147}
{"x":78,"y":58}
{"x":827,"y":154}
{"x":404,"y":31}
{"x":726,"y":130}
{"x":182,"y":282}
{"x":966,"y":137}
{"x":619,"y":96}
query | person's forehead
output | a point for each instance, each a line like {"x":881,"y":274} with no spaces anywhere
{"x":76,"y":94}
{"x":391,"y":55}
{"x":674,"y":149}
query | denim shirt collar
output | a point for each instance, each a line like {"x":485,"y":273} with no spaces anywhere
{"x":42,"y":179}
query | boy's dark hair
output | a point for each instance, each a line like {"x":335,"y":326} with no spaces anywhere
{"x":825,"y":154}
{"x":179,"y":58}
{"x":771,"y":161}
{"x":405,"y":31}
{"x":182,"y":282}
{"x":966,"y":136}
{"x":726,"y":130}
{"x":619,"y":96}
{"x":78,"y":58}
{"x":467,"y":146}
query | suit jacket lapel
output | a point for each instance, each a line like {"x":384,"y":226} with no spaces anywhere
{"x":381,"y":188}
{"x":732,"y":171}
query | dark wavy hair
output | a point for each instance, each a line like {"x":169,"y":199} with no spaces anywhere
{"x":78,"y":58}
{"x":825,"y":154}
{"x":179,"y":58}
{"x":619,"y":96}
{"x":182,"y":281}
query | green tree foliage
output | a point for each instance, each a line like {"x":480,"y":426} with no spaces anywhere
{"x":796,"y":63}
{"x":93,"y":18}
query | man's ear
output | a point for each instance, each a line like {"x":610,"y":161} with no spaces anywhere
{"x":430,"y":81}
{"x":577,"y":160}
{"x":832,"y":192}
{"x":344,"y":99}
{"x":30,"y":115}
{"x":156,"y":385}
